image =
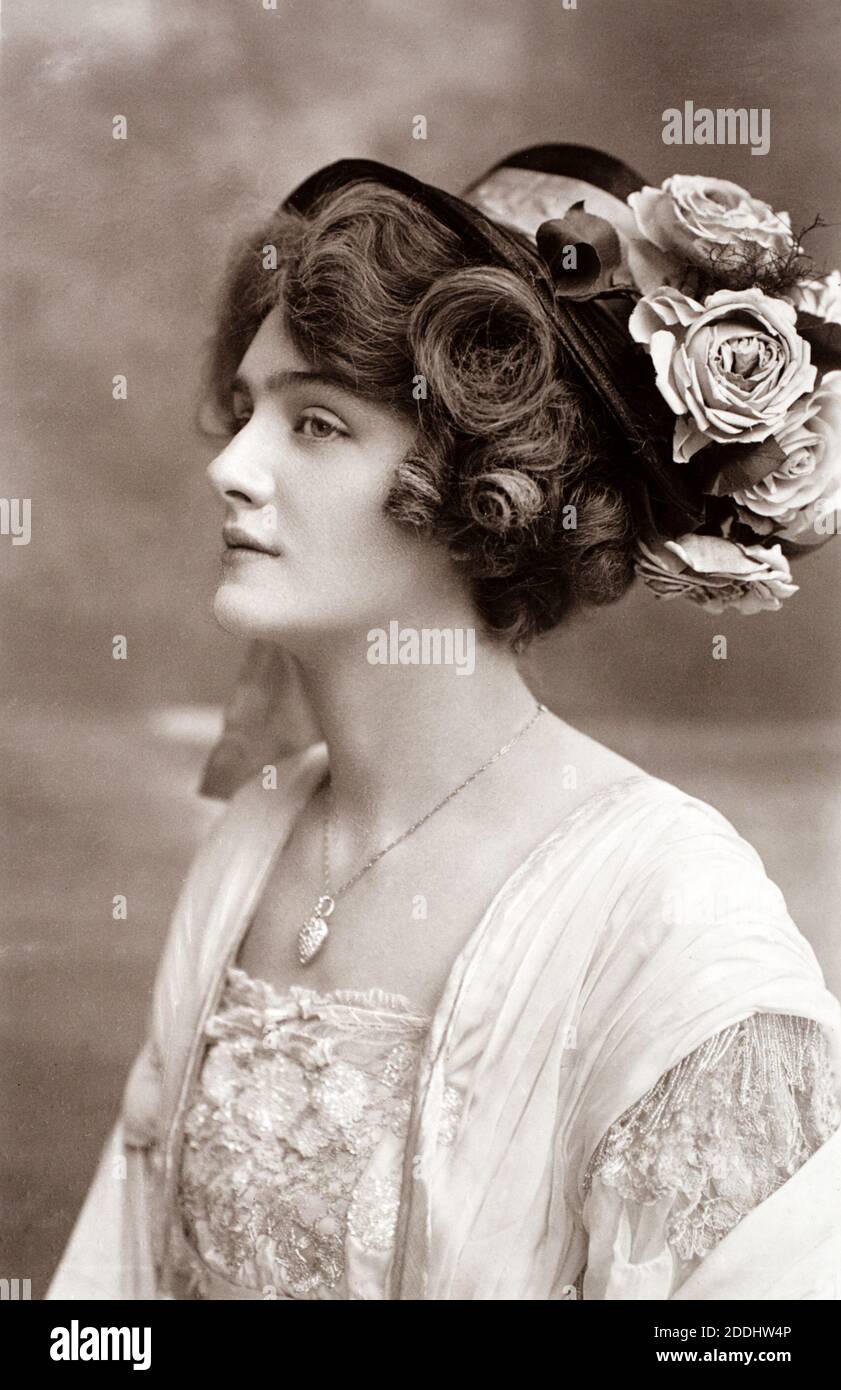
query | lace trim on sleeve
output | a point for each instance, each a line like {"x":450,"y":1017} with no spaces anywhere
{"x":724,"y":1128}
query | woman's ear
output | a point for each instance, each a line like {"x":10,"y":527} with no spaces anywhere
{"x":266,"y":717}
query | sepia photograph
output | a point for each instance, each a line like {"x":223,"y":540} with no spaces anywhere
{"x":422,"y":692}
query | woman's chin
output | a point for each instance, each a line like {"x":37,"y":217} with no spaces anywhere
{"x":245,"y":614}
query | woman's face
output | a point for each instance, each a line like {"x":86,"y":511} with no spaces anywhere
{"x":304,"y":479}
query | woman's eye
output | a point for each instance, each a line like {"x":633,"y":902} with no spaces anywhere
{"x":318,"y":427}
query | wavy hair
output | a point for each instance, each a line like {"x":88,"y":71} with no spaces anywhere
{"x":512,"y":466}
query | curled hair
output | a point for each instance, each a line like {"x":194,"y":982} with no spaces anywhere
{"x":511,"y":466}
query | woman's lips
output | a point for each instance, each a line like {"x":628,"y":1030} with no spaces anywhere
{"x":233,"y":553}
{"x":239,"y":538}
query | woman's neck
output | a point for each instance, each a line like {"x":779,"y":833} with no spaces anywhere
{"x":400,"y":737}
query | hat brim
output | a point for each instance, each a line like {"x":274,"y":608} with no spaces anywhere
{"x":481,"y":233}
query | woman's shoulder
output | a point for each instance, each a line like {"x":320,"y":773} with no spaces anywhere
{"x":672,"y":856}
{"x":689,"y":886}
{"x":607,"y":779}
{"x":689,"y":850}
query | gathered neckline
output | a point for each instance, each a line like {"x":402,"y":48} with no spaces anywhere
{"x":376,"y":999}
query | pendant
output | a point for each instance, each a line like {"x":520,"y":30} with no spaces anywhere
{"x":314,"y":932}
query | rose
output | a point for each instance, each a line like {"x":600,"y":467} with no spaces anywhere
{"x":821,"y":297}
{"x":729,"y":368}
{"x":798,"y":493}
{"x":717,"y":573}
{"x":697,"y":217}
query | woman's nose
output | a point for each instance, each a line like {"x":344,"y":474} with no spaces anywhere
{"x":236,"y":475}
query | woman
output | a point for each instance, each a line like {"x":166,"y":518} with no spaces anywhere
{"x":456,"y":1002}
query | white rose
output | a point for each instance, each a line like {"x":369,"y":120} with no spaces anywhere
{"x":717,"y":573}
{"x":712,"y":221}
{"x":802,"y":490}
{"x":729,"y":368}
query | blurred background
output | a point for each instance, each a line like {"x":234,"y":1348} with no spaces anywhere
{"x":113,"y":252}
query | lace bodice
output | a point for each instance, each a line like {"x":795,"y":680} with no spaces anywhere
{"x":295,"y":1135}
{"x":294,"y":1140}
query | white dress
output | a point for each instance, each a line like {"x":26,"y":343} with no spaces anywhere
{"x":617,"y":1096}
{"x":297,"y":1091}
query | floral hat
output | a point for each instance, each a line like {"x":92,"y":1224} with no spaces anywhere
{"x":694,"y":315}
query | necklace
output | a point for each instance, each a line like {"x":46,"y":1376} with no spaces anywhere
{"x":315,"y":931}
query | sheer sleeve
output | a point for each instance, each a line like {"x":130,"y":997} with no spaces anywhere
{"x":717,"y":1135}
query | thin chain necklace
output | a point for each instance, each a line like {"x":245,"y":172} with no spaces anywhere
{"x":315,"y":931}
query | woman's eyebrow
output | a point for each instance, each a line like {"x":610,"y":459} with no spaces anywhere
{"x":277,"y":381}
